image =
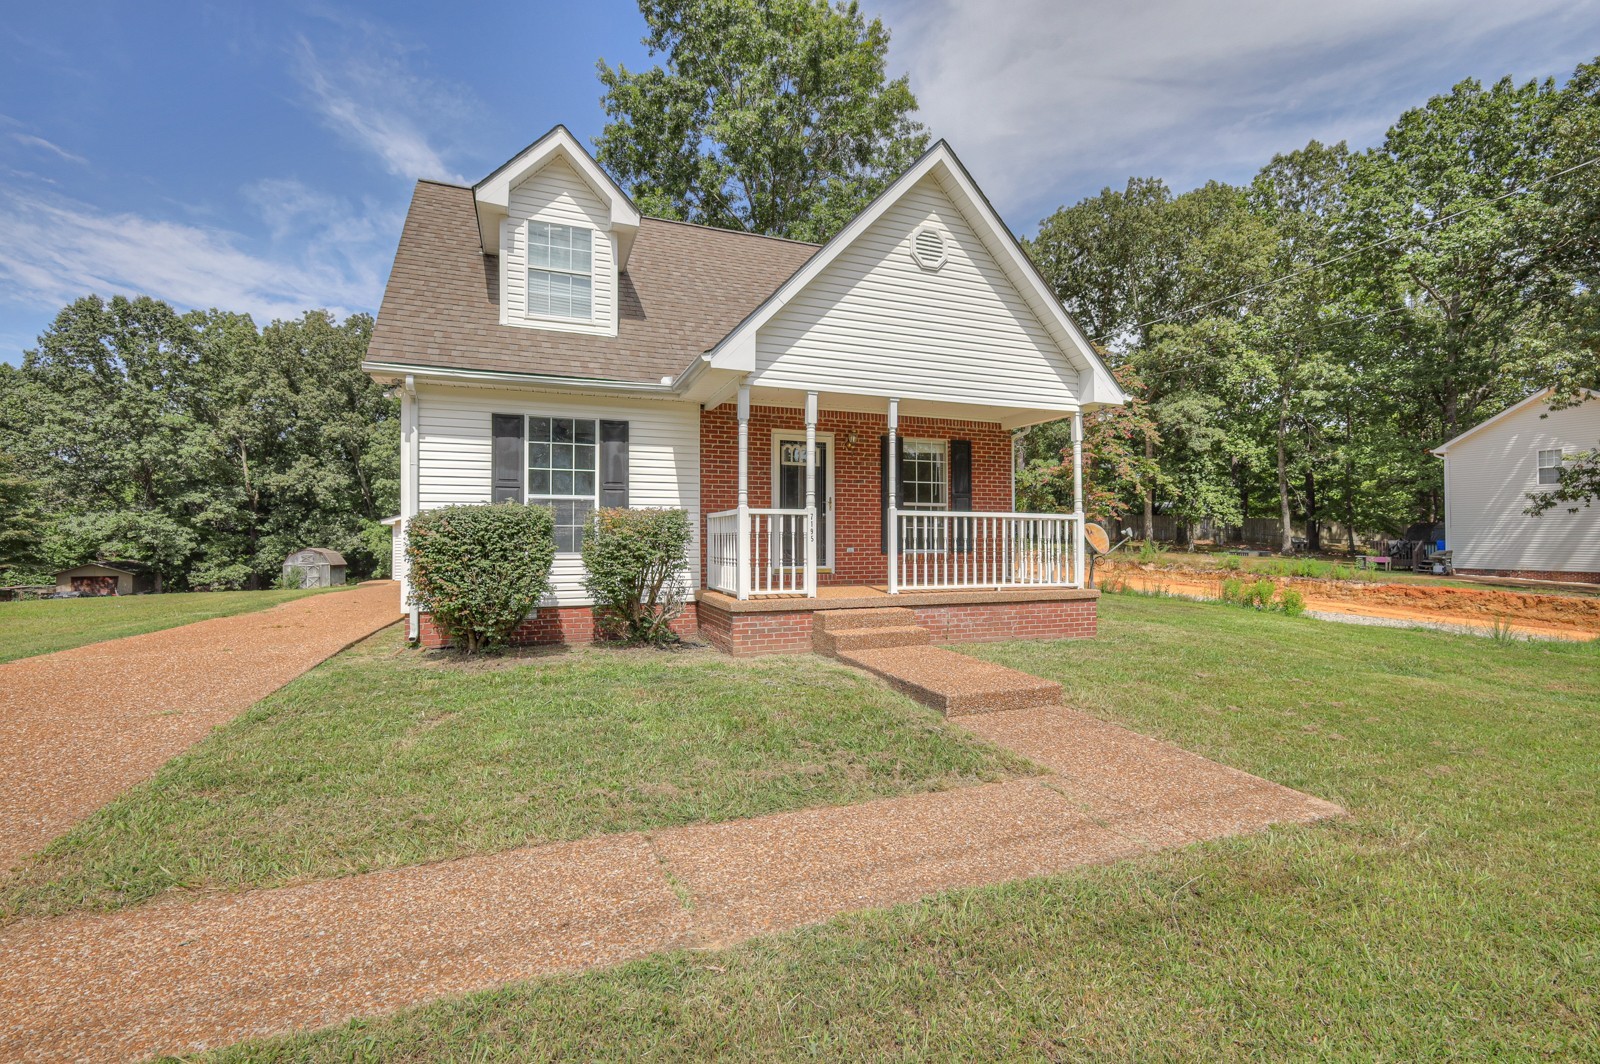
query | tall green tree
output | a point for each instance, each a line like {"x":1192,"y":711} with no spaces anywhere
{"x":21,"y":526}
{"x":769,"y":116}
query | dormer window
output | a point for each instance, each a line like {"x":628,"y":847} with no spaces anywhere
{"x":560,"y":271}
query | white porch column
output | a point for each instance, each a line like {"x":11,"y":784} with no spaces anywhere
{"x":1077,"y":500}
{"x":811,"y":494}
{"x":742,"y":576}
{"x":892,"y":466}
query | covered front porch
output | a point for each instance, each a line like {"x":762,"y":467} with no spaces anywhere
{"x":817,"y":514}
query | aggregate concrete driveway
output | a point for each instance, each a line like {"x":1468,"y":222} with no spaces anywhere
{"x":80,"y":726}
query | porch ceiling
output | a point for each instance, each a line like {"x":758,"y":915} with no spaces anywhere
{"x":1008,"y":417}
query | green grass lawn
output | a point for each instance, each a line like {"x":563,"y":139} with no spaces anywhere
{"x":1455,"y":916}
{"x":47,"y":625}
{"x":384,"y":757}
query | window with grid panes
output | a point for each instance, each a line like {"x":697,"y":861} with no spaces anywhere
{"x":562,"y":463}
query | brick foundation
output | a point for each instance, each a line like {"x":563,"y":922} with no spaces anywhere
{"x":1536,"y":574}
{"x":553,"y":625}
{"x":858,"y":484}
{"x":747,"y":634}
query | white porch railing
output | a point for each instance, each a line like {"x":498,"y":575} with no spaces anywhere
{"x":944,"y":549}
{"x":773,"y":558}
{"x":934,"y":551}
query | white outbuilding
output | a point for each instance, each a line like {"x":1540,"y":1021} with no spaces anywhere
{"x":1489,"y":472}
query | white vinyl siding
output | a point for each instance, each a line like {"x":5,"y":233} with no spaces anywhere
{"x":875,"y":322}
{"x":1487,"y":480}
{"x":556,"y":198}
{"x":663,"y":456}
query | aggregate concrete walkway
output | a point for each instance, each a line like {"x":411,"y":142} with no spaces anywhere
{"x":80,"y":726}
{"x":174,"y":976}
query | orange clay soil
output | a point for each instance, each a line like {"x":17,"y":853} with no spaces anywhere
{"x":1562,"y":616}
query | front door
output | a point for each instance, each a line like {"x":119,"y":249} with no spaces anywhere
{"x":790,"y":491}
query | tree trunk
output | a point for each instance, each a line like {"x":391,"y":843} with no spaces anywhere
{"x":1149,"y":496}
{"x":1286,"y":541}
{"x":1313,"y":530}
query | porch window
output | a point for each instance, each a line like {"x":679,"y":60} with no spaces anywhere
{"x":924,"y":485}
{"x":560,"y":281}
{"x":562,"y":461}
{"x":1550,"y":467}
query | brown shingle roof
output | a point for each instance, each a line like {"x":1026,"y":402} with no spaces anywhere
{"x":685,"y":288}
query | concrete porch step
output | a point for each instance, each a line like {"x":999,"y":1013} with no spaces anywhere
{"x":878,"y":617}
{"x":844,"y":640}
{"x":953,"y":683}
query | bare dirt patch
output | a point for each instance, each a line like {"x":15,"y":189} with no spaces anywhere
{"x":1559,"y":616}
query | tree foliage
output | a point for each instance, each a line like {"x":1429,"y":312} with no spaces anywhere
{"x":1299,"y":344}
{"x":770,"y":116}
{"x":197,"y":443}
{"x":636,"y":567}
{"x":480,"y":570}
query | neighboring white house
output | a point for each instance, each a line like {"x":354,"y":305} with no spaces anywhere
{"x":553,"y":345}
{"x":1489,"y":471}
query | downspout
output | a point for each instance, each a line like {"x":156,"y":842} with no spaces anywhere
{"x":412,"y":487}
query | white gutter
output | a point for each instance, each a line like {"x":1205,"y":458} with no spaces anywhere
{"x":581,"y":384}
{"x":411,"y":504}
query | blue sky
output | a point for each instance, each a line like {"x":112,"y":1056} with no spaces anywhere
{"x":259,"y":156}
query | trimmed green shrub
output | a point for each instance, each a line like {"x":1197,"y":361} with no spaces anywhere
{"x":637,"y":569}
{"x":1291,"y":602}
{"x":479,"y":570}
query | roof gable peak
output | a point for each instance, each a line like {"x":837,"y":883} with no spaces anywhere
{"x":493,"y":193}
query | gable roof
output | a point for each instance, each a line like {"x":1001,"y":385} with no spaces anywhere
{"x":1540,"y":396}
{"x":493,"y":193}
{"x":737,"y":350}
{"x":684,"y":288}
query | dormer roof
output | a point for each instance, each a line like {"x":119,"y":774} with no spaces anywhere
{"x":493,"y":194}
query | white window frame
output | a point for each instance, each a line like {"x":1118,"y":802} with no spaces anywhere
{"x":938,"y":544}
{"x":528,"y":269}
{"x":1539,"y":465}
{"x":546,"y":498}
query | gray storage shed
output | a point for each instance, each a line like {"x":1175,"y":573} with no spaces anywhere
{"x":317,"y":567}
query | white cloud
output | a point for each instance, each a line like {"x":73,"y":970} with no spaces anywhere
{"x":54,"y":250}
{"x":39,"y":142}
{"x":370,"y":96}
{"x":1043,"y":99}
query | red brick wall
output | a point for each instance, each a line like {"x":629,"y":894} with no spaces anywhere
{"x":791,"y":631}
{"x":749,"y":634}
{"x":564,"y":624}
{"x":995,"y":622}
{"x":857,"y":495}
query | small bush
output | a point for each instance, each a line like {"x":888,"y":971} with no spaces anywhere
{"x":1233,"y":591}
{"x":292,"y":578}
{"x":637,"y":570}
{"x":480,"y":569}
{"x":1232,"y":562}
{"x":1149,"y":550}
{"x":1291,"y":602}
{"x":1259,"y":595}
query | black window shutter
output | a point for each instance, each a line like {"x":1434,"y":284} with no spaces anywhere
{"x":614,"y":464}
{"x":506,"y":483}
{"x":961,"y":487}
{"x":883,"y":494}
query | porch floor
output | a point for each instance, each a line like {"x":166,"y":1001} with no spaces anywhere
{"x":869,"y":596}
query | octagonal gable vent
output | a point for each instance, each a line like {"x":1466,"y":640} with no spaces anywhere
{"x":929,"y":248}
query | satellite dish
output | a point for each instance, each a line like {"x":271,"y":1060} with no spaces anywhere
{"x":1099,"y":539}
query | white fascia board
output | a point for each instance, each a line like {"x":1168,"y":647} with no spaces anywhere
{"x":1542,"y":395}
{"x":502,"y":379}
{"x":736,"y":351}
{"x":493,"y":193}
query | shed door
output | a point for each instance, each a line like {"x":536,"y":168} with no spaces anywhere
{"x":95,"y":585}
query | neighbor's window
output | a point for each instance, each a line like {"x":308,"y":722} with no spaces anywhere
{"x":923,"y":486}
{"x":561,"y":473}
{"x":559,"y":281}
{"x":1550,"y":467}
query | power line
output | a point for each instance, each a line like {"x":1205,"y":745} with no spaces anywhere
{"x":1356,"y":251}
